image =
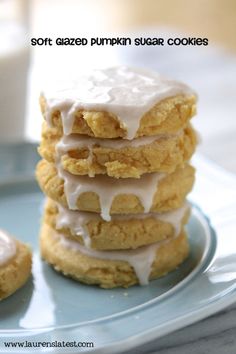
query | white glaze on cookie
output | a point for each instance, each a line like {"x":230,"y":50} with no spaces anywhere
{"x":125,"y":92}
{"x":141,"y":259}
{"x":74,"y":142}
{"x":107,"y":188}
{"x":76,"y":221}
{"x":7,"y":247}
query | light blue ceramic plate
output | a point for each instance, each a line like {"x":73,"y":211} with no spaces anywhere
{"x":53,"y":308}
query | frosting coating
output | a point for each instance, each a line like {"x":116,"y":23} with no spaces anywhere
{"x":127,"y":93}
{"x":76,"y":220}
{"x":7,"y":247}
{"x":140,"y":259}
{"x":71,"y":142}
{"x":107,"y":189}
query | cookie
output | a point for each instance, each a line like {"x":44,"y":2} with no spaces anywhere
{"x":15,"y":265}
{"x":118,"y":196}
{"x":119,"y":102}
{"x":166,"y":117}
{"x":114,"y":268}
{"x":118,"y":158}
{"x":121,"y":232}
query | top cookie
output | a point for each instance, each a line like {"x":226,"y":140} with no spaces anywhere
{"x":119,"y":102}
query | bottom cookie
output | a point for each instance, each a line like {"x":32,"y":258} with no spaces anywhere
{"x":110,"y":269}
{"x":15,"y":265}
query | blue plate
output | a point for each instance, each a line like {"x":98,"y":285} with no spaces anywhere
{"x":52,"y":308}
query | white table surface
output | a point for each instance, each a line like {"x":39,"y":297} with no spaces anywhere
{"x":214,"y":335}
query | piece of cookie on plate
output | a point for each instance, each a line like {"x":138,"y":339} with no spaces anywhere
{"x":15,"y":264}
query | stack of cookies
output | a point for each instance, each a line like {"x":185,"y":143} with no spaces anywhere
{"x":116,"y":146}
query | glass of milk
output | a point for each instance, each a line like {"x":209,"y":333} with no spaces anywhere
{"x":14,"y":64}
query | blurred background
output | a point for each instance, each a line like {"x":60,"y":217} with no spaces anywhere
{"x":210,"y":70}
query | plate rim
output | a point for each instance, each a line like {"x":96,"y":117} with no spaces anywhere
{"x":153,"y":302}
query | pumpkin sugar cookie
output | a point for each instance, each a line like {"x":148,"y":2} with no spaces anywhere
{"x":15,"y":264}
{"x":121,"y":232}
{"x":116,"y":268}
{"x":118,"y":158}
{"x":119,"y":102}
{"x":153,"y":192}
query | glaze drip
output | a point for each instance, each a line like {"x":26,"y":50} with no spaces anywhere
{"x":140,"y":259}
{"x":76,"y":220}
{"x":107,"y":189}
